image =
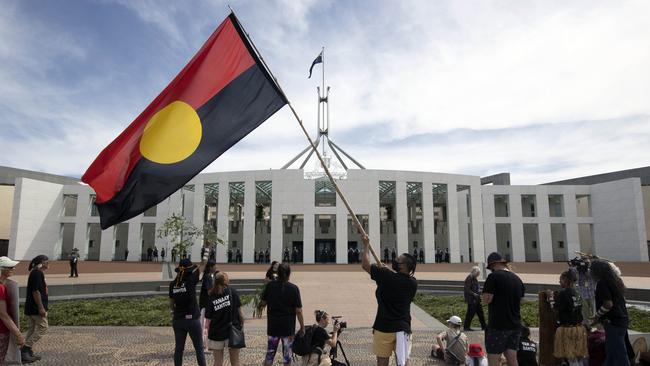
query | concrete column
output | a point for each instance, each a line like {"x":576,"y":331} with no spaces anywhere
{"x":401,"y":217}
{"x":341,"y":232}
{"x":249,"y":222}
{"x":545,"y":244}
{"x":135,"y":240}
{"x":374,"y":226}
{"x":107,"y":250}
{"x":427,"y":222}
{"x":454,"y":237}
{"x":518,"y":246}
{"x":223,"y":221}
{"x":478,"y":240}
{"x":309,"y":239}
{"x":80,"y":240}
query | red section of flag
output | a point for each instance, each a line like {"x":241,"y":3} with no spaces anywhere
{"x":222,"y":58}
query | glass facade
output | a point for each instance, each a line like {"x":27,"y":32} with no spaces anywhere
{"x":187,"y":202}
{"x":583,"y":205}
{"x":558,"y":238}
{"x":555,"y":205}
{"x":93,"y":207}
{"x":586,"y":237}
{"x":151,"y":211}
{"x":236,"y":219}
{"x":355,"y":242}
{"x":504,"y":240}
{"x":69,"y":205}
{"x":528,"y":205}
{"x":263,"y":200}
{"x":148,"y":238}
{"x":501,"y":205}
{"x":325,"y":238}
{"x":211,"y":208}
{"x":94,"y":235}
{"x":387,"y":225}
{"x":67,"y":239}
{"x":292,"y":238}
{"x":121,"y":235}
{"x":325,"y":193}
{"x":531,"y":240}
{"x":464,"y":199}
{"x":414,"y":216}
{"x":440,"y":219}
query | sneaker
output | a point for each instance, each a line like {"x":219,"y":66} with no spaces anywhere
{"x":36,"y":357}
{"x":27,"y":358}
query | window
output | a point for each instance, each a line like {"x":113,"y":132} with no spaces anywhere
{"x":325,"y":193}
{"x":528,"y":205}
{"x":93,"y":207}
{"x":556,"y":205}
{"x":501,"y":203}
{"x":69,"y":205}
{"x":583,"y":205}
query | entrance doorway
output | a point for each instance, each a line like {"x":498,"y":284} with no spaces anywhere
{"x":296,"y":252}
{"x":325,"y":251}
{"x":353,"y":252}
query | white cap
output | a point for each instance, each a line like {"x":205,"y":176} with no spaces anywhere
{"x":6,"y":262}
{"x":455,"y":320}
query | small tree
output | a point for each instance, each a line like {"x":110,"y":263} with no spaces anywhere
{"x":210,"y":236}
{"x":180,"y":233}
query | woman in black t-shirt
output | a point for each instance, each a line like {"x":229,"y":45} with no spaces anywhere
{"x":319,"y":339}
{"x":612,"y":311}
{"x":185,"y":311}
{"x":272,"y":272}
{"x":571,"y":336}
{"x":223,"y":311}
{"x":207,"y":281}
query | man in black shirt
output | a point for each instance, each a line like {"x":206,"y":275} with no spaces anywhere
{"x":502,"y":291}
{"x":35,"y":307}
{"x":394,"y":293}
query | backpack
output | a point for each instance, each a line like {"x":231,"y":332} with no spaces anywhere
{"x":302,"y":343}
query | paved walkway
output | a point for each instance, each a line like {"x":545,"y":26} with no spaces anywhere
{"x":154,"y":346}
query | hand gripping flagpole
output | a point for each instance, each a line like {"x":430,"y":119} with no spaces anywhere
{"x":313,"y":146}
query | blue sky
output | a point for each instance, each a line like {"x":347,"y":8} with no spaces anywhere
{"x":545,"y":90}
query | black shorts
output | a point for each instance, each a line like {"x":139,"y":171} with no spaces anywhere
{"x":498,"y":341}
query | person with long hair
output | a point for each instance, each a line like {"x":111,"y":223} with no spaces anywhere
{"x":207,"y":281}
{"x":185,"y":311}
{"x":284,"y":305}
{"x":35,"y":307}
{"x":223,"y":311}
{"x":272,"y":272}
{"x":7,"y":324}
{"x":611,"y":311}
{"x":395,"y":292}
{"x":570,"y":336}
{"x":319,"y":339}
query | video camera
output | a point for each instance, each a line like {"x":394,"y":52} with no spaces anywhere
{"x":339,"y":322}
{"x":580,"y":264}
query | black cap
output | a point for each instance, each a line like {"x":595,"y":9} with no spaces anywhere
{"x":494,"y":257}
{"x":185,"y":263}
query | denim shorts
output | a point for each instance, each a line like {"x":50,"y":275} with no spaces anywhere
{"x":498,"y":341}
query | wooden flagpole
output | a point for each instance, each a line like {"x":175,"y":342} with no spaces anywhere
{"x":311,"y":143}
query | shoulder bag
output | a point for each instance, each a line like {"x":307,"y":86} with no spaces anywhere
{"x":236,"y":338}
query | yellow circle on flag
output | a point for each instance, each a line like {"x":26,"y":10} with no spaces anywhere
{"x":172,"y":134}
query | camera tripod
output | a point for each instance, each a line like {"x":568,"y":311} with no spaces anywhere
{"x":334,"y":354}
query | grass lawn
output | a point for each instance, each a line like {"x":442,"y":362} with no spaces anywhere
{"x":442,"y":307}
{"x":129,"y":311}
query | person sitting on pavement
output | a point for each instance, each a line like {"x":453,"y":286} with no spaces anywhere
{"x":527,"y":353}
{"x":319,"y":339}
{"x":451,"y":344}
{"x":476,"y":356}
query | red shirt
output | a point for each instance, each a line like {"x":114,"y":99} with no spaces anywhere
{"x":4,"y":296}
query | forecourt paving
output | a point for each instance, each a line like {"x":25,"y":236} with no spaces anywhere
{"x":340,"y":289}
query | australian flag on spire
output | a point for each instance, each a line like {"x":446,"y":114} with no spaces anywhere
{"x":317,"y":60}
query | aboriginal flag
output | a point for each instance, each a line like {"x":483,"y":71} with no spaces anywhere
{"x":220,"y":96}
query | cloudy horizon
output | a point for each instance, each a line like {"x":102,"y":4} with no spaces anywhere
{"x":544,"y":90}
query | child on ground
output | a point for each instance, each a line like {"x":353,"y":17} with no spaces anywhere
{"x":476,"y":356}
{"x":451,"y":344}
{"x":527,"y":353}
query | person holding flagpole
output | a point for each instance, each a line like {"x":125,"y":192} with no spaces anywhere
{"x":395,"y":292}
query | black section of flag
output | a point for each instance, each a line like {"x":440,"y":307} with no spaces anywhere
{"x":317,"y":60}
{"x":226,"y":118}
